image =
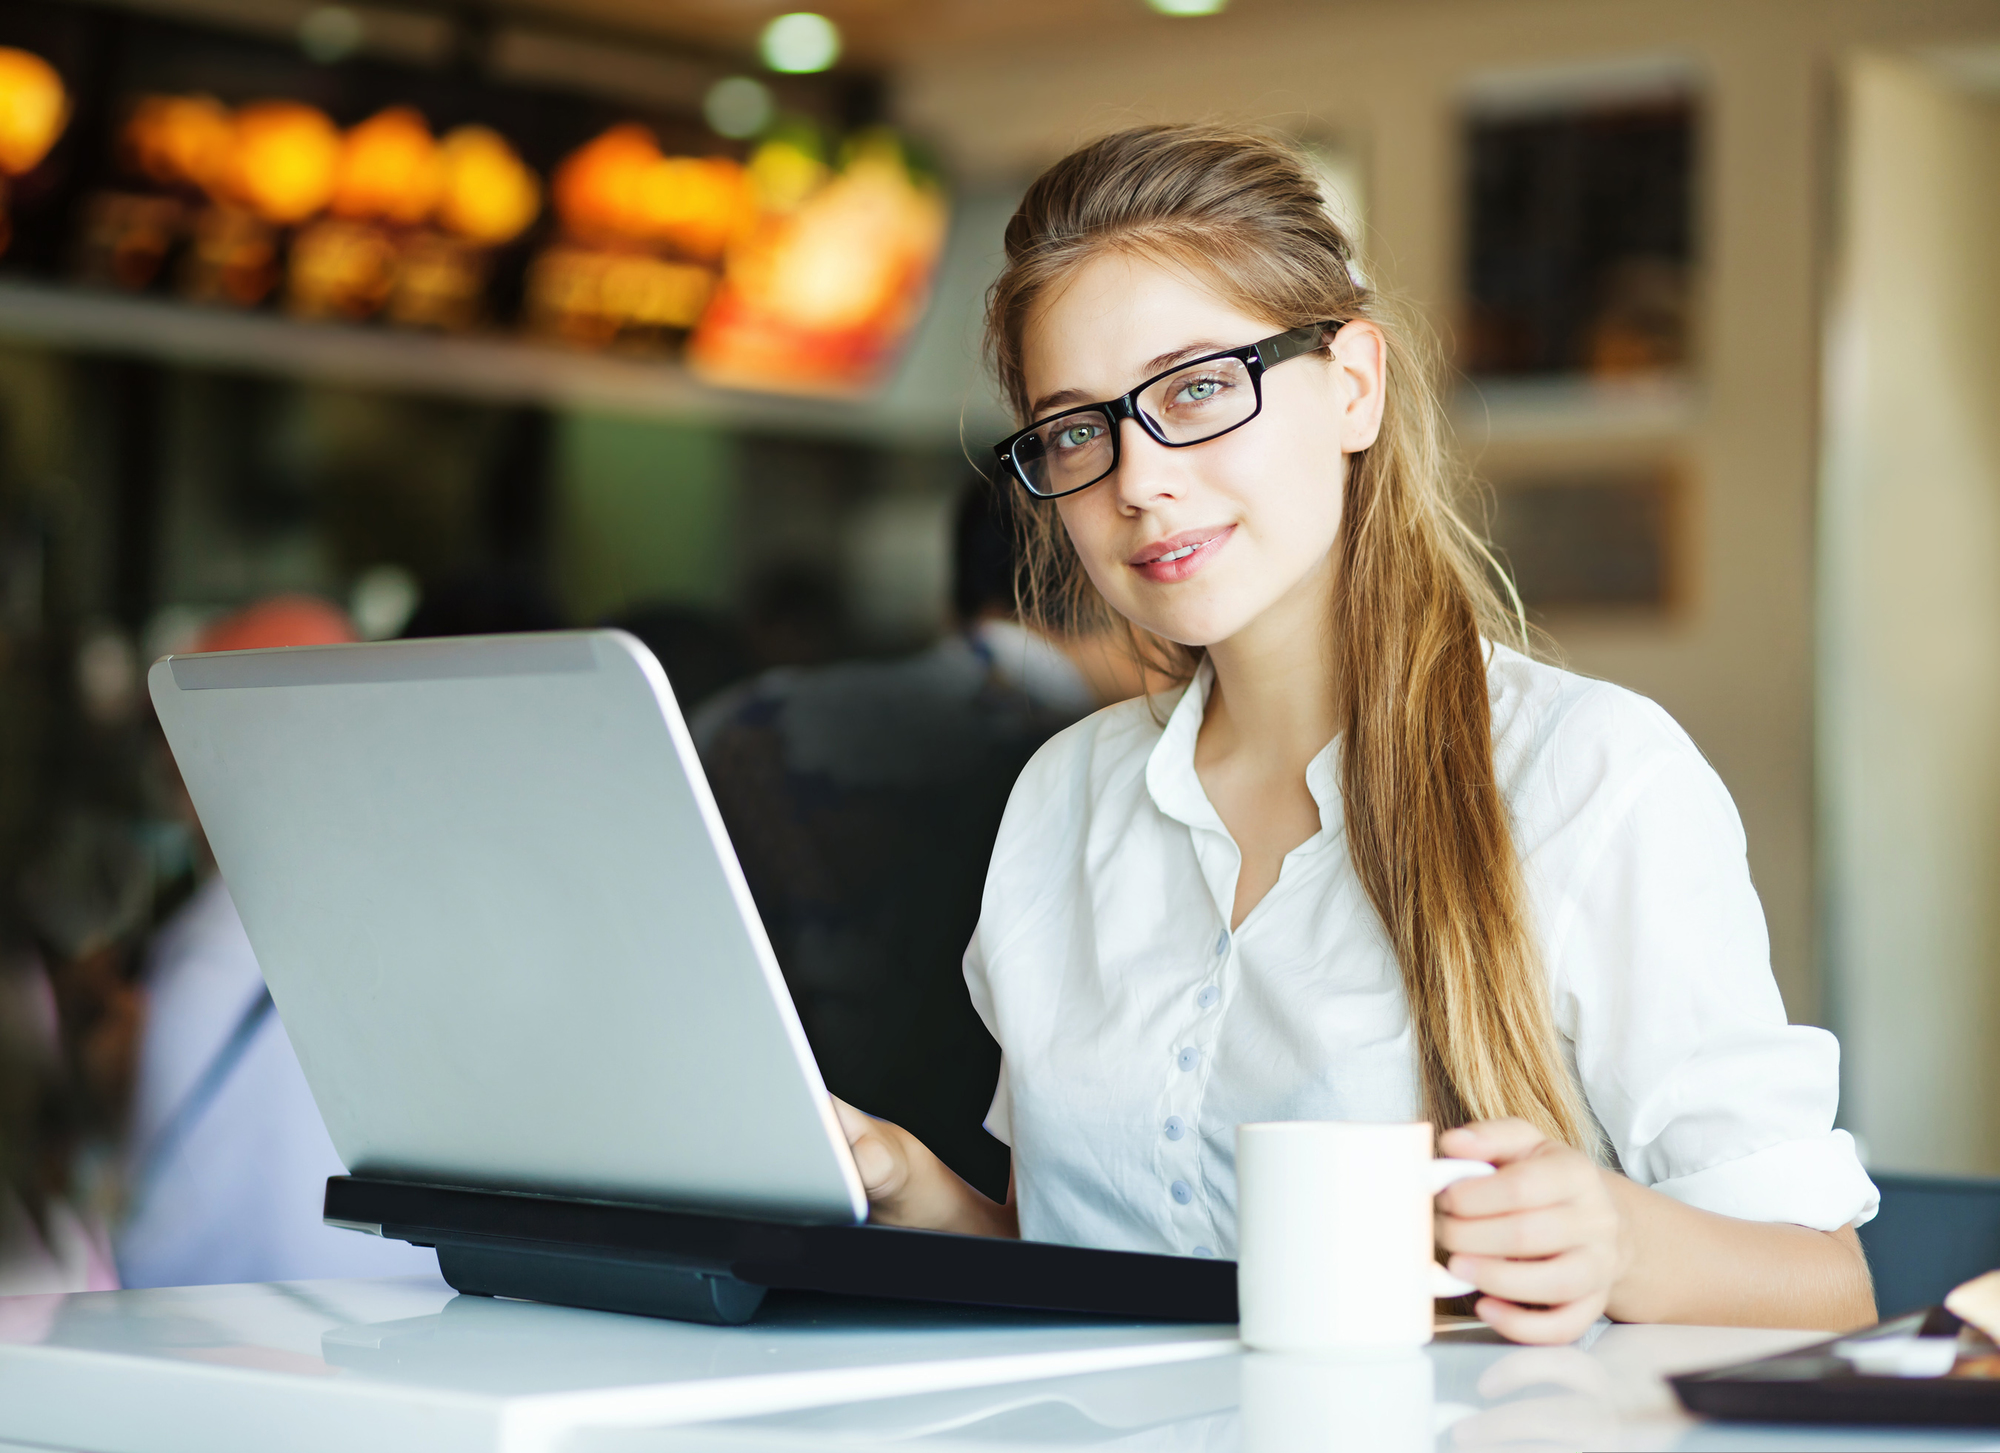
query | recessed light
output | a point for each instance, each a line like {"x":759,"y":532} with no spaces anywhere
{"x":330,"y":33}
{"x":800,"y":42}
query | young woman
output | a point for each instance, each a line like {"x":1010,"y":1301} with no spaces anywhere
{"x":1367,"y":862}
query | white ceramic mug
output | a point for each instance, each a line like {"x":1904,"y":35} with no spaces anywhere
{"x":1334,"y":1234}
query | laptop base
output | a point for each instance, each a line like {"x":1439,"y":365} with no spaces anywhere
{"x":602,"y":1283}
{"x":664,"y":1262}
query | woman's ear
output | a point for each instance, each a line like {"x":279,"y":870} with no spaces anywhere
{"x":1360,"y":364}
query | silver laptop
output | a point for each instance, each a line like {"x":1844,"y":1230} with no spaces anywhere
{"x":502,"y":923}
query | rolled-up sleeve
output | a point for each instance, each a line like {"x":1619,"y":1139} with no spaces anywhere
{"x":1660,"y":964}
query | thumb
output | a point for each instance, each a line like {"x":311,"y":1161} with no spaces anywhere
{"x":876,"y":1158}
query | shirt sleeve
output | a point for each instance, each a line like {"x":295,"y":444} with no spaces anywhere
{"x":1662,"y":972}
{"x":999,"y":1120}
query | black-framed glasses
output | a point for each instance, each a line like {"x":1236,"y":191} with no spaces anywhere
{"x":1191,"y":403}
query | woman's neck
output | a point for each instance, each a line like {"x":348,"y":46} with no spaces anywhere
{"x":1273,"y":702}
{"x":1271,"y":712}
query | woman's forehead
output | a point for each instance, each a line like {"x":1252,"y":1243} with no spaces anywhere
{"x":1097,"y":332}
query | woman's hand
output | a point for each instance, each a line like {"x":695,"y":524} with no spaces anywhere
{"x":1542,"y":1237}
{"x":909,"y":1186}
{"x":1555,"y":1242}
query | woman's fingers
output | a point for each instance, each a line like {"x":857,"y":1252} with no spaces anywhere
{"x":878,"y":1158}
{"x":1542,"y":1232}
{"x":1549,"y":1281}
{"x":1538,"y":1237}
{"x":1545,"y":1326}
{"x":1550,"y":1176}
{"x":1497,"y":1141}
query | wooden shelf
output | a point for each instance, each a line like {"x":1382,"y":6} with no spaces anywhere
{"x":486,"y":369}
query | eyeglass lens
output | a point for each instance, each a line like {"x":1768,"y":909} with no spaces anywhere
{"x":1188,"y":406}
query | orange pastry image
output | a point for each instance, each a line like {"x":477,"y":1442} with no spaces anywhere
{"x":390,"y":168}
{"x":34,"y":109}
{"x":285,"y":160}
{"x":488,"y":194}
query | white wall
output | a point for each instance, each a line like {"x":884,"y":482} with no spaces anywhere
{"x":1910,"y":600}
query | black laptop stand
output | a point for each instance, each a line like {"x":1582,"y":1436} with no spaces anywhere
{"x":620,"y":1257}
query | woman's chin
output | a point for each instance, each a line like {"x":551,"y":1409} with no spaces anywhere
{"x":1195,"y":630}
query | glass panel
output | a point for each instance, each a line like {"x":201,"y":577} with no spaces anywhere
{"x":1066,"y":452}
{"x":1201,"y":400}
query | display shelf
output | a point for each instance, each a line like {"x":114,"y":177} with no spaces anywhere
{"x":485,"y":369}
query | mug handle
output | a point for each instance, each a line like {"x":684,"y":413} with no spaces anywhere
{"x":1446,"y":1172}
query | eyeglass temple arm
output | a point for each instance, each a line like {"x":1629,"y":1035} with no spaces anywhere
{"x":1274,"y":351}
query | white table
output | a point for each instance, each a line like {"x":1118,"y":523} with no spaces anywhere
{"x":387,"y":1366}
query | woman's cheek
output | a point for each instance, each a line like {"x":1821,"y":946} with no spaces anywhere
{"x":1091,"y":548}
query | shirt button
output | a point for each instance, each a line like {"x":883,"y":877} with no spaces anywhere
{"x":1203,"y":1251}
{"x":1182,"y":1192}
{"x":1222,"y":942}
{"x":1188,"y":1058}
{"x":1207,"y":997}
{"x":1176,"y":1127}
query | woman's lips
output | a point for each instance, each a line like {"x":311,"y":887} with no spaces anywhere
{"x":1179,"y":556}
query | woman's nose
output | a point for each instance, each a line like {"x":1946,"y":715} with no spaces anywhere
{"x":1147,"y":469}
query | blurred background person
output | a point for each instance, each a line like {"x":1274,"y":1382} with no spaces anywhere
{"x":863,"y":799}
{"x":47,"y":1242}
{"x":228,"y":1155}
{"x":702,"y":651}
{"x":70,"y":1017}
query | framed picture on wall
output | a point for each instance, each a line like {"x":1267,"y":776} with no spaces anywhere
{"x":1578,"y":537}
{"x":1580,"y":245}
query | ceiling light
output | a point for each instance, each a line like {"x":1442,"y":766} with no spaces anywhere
{"x":1188,"y":7}
{"x":330,"y":33}
{"x":799,"y":43}
{"x":738,"y":107}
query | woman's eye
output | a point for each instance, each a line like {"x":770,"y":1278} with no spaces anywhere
{"x":1197,"y":390}
{"x":1075,"y":436}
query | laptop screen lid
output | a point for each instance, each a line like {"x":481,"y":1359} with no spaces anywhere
{"x":502,"y":922}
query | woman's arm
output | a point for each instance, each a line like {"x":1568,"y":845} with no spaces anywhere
{"x":909,"y":1186}
{"x":1682,"y":1264}
{"x":1556,"y":1241}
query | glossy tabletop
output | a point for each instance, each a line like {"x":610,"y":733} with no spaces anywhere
{"x":393,"y":1365}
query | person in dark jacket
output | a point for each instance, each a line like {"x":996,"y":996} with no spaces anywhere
{"x":863,"y":799}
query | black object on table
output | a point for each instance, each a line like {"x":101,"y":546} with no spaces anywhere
{"x":621,"y":1257}
{"x":1816,"y":1385}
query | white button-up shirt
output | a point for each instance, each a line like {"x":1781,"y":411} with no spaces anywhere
{"x":1137,"y":1031}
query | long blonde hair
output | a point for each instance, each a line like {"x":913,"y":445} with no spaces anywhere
{"x":1427,"y":828}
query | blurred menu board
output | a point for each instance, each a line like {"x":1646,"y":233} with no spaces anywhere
{"x":227,"y":173}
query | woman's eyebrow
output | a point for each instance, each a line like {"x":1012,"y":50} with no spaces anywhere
{"x":1168,"y":360}
{"x":1151,"y":366}
{"x":1061,"y":396}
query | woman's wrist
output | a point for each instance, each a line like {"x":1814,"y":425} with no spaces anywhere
{"x":1624,"y":1247}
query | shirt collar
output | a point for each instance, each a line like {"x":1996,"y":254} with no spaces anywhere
{"x":1176,"y":788}
{"x":1170,"y":774}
